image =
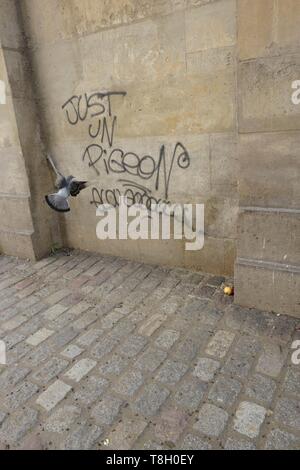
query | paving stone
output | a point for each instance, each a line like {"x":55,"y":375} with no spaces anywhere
{"x":132,"y":346}
{"x":20,"y":394}
{"x":287,"y":412}
{"x":292,"y":383}
{"x":53,"y":312}
{"x":150,"y":359}
{"x":225,"y":391}
{"x":125,"y":433}
{"x":171,"y":371}
{"x":83,"y":437}
{"x":238,"y":444}
{"x":49,"y":370}
{"x":220,"y":344}
{"x":215,"y":281}
{"x":80,"y":369}
{"x":17,"y":425}
{"x":62,"y":419}
{"x":10,"y":377}
{"x":166,"y":339}
{"x":86,"y":339}
{"x":152,"y":324}
{"x":104,"y":347}
{"x":151,"y":445}
{"x":53,"y":395}
{"x":271,"y":360}
{"x":192,"y":442}
{"x":111,"y":319}
{"x":170,"y":424}
{"x":187,"y":349}
{"x":13,"y":339}
{"x":278,"y":439}
{"x":119,"y":318}
{"x":106,"y":410}
{"x":211,"y":420}
{"x":190,"y":393}
{"x":91,"y":389}
{"x":2,"y":416}
{"x":261,"y":388}
{"x":113,"y":366}
{"x":150,"y":400}
{"x":39,"y":337}
{"x":65,"y":336}
{"x":129,"y":383}
{"x":249,"y":418}
{"x":72,"y":351}
{"x":206,"y":369}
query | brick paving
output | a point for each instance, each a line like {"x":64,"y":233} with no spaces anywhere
{"x":105,"y":353}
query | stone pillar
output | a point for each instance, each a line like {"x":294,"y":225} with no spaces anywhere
{"x":267,"y":269}
{"x":26,"y":228}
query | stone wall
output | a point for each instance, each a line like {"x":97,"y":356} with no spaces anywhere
{"x":176,"y":62}
{"x":267,"y":272}
{"x":212,"y":77}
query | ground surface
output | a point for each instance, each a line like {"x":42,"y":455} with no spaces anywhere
{"x":107,"y":353}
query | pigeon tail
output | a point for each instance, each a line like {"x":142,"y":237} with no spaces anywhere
{"x":57,"y":202}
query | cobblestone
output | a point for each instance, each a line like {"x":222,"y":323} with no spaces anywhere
{"x":104,"y":350}
{"x":211,"y":420}
{"x":249,"y":418}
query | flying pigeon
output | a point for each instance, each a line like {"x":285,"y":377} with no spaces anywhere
{"x":67,"y":186}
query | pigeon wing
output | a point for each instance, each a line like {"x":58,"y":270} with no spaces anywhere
{"x":57,"y":202}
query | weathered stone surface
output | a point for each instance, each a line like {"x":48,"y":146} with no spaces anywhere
{"x":129,"y":383}
{"x":192,"y":442}
{"x":150,"y":400}
{"x":155,"y":406}
{"x":249,"y":418}
{"x":53,"y":395}
{"x":90,"y":390}
{"x":190,"y":394}
{"x":272,"y":77}
{"x":211,"y":420}
{"x":220,"y":343}
{"x":281,"y":440}
{"x":106,"y":410}
{"x":270,"y":30}
{"x":39,"y":337}
{"x":287,"y":411}
{"x":125,"y":433}
{"x":170,"y":425}
{"x":211,"y":26}
{"x":80,"y":369}
{"x":261,"y":388}
{"x":206,"y":368}
{"x":225,"y":391}
{"x":62,"y":419}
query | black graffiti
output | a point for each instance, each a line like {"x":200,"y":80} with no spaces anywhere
{"x":133,"y":192}
{"x":102,"y":156}
{"x":79,"y":107}
{"x":145,"y":167}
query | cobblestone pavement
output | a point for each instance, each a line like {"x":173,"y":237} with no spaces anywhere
{"x":108,"y":353}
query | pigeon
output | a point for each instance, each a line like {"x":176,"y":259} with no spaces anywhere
{"x":67,"y":186}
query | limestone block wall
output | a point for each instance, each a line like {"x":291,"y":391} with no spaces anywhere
{"x":25,"y":229}
{"x":174,"y":63}
{"x":267,"y":269}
